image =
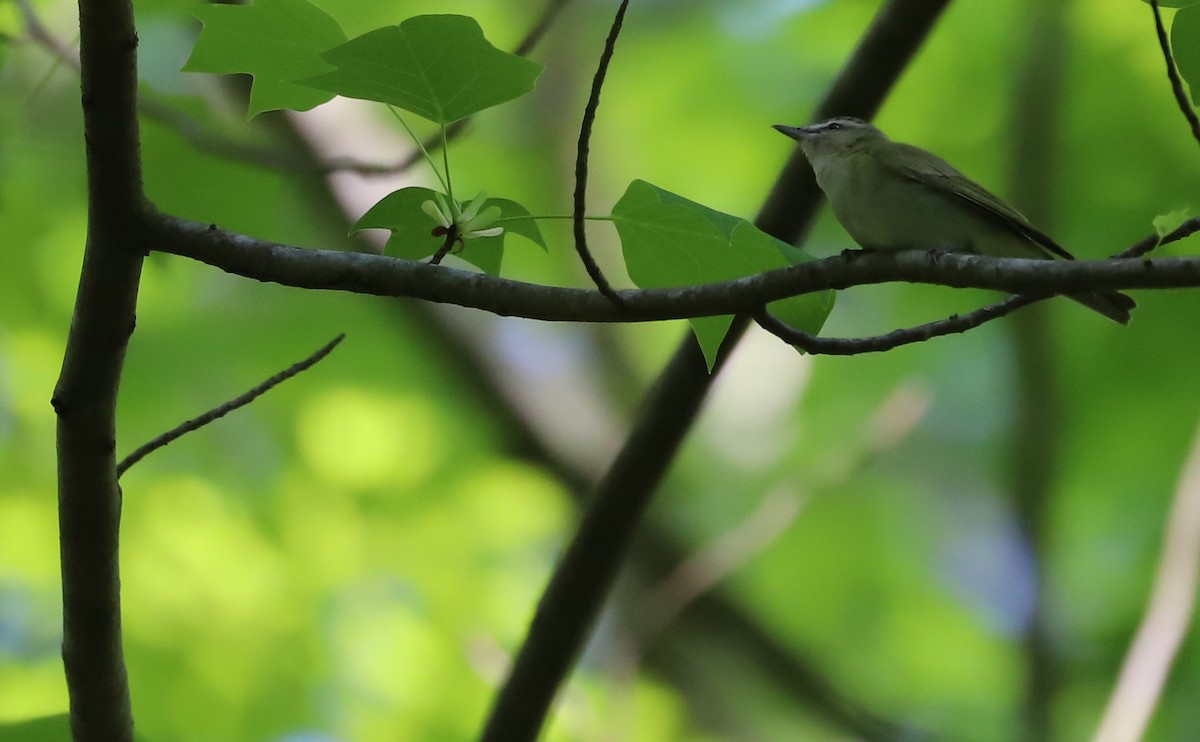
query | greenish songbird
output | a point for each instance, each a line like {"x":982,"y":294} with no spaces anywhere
{"x":893,"y":196}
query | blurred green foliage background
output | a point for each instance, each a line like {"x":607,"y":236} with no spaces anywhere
{"x":354,"y":556}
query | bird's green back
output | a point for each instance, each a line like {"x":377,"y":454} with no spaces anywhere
{"x":930,"y":170}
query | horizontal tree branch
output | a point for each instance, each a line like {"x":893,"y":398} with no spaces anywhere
{"x":387,"y":276}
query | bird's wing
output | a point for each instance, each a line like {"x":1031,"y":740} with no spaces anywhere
{"x":917,"y":164}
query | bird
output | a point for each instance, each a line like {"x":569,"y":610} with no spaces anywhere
{"x":892,"y":196}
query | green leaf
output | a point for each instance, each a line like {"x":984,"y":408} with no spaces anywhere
{"x":1173,"y":3}
{"x":400,"y":212}
{"x":671,"y":241}
{"x":439,"y":67}
{"x":411,"y":228}
{"x":1185,"y":45}
{"x":275,"y":41}
{"x":1165,"y":224}
{"x":55,"y":728}
{"x":516,"y":219}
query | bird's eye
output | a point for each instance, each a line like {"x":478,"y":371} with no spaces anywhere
{"x":833,"y":127}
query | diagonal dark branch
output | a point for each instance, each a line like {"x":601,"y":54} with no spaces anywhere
{"x":221,"y":411}
{"x":85,"y":398}
{"x":880,"y":343}
{"x":581,"y":159}
{"x":1181,"y":96}
{"x":540,"y":27}
{"x":585,"y":573}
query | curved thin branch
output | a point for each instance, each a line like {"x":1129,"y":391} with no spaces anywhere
{"x":387,"y":276}
{"x":880,"y":343}
{"x":218,"y":412}
{"x":1181,"y":96}
{"x":581,"y":159}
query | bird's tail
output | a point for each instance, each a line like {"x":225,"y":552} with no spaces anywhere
{"x":1112,"y":304}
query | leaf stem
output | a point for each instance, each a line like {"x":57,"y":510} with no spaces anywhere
{"x":446,"y":167}
{"x":421,"y":146}
{"x":554,"y":216}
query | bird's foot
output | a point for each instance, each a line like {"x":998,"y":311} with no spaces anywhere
{"x":934,"y":254}
{"x":851,"y":253}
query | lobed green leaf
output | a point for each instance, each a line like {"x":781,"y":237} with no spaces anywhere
{"x":1173,"y":3}
{"x":668,"y":241}
{"x":276,"y":42}
{"x":439,"y":67}
{"x":1185,"y":45}
{"x":412,"y":229}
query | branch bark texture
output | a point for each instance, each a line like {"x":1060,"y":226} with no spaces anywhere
{"x":85,"y":397}
{"x":387,"y":276}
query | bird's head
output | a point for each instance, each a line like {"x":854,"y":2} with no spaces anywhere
{"x":833,"y":138}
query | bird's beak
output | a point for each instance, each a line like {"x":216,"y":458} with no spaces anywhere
{"x":795,"y":132}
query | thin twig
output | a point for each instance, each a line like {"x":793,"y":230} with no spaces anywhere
{"x":702,"y":571}
{"x":1168,"y":616}
{"x":218,"y":412}
{"x":42,"y":36}
{"x":447,"y":245}
{"x":1149,"y":243}
{"x":1181,"y":96}
{"x":880,"y":343}
{"x":581,"y":159}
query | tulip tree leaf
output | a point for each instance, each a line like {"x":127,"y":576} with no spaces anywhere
{"x":1185,"y":45}
{"x":412,"y":229}
{"x":439,"y":67}
{"x":1173,"y":3}
{"x":516,"y":219}
{"x":275,"y":41}
{"x":671,"y":241}
{"x":1165,"y":224}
